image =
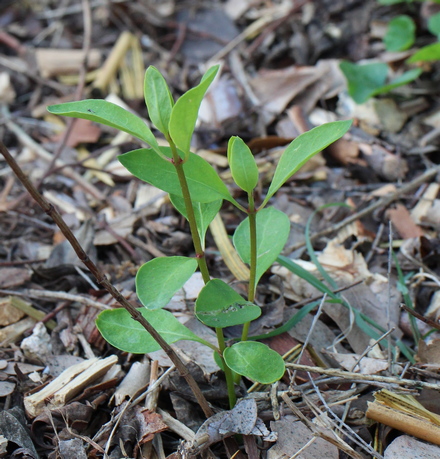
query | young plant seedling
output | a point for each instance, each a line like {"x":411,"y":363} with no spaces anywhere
{"x":197,"y":192}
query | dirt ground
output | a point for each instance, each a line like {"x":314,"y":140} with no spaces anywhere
{"x":364,"y":215}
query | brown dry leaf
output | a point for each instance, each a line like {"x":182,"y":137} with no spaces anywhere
{"x":151,"y":424}
{"x":276,"y":88}
{"x":365,"y":366}
{"x":13,"y":277}
{"x":403,"y":222}
{"x":83,"y":131}
{"x":345,"y":151}
{"x":294,"y":435}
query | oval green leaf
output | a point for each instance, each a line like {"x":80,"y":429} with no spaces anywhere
{"x":302,"y":149}
{"x":204,"y":213}
{"x":401,"y":33}
{"x":255,"y":361}
{"x":219,"y":305}
{"x":203,"y":181}
{"x":159,"y":279}
{"x":244,"y":170}
{"x":109,"y":114}
{"x":119,"y":329}
{"x":158,"y":99}
{"x":273,"y":228}
{"x":185,"y":112}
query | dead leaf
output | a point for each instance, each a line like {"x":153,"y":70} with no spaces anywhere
{"x":429,"y":353}
{"x":242,"y":419}
{"x":276,"y":88}
{"x":83,"y":131}
{"x":151,"y":424}
{"x":294,"y":435}
{"x":403,"y":222}
{"x":406,"y":447}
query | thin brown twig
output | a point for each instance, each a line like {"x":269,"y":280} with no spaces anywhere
{"x":426,"y":320}
{"x":102,"y":279}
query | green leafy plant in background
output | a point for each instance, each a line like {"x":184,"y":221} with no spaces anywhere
{"x":197,"y":192}
{"x":369,"y":80}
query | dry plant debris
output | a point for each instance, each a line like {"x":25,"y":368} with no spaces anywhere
{"x":64,"y":392}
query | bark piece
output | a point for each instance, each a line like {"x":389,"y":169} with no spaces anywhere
{"x":67,"y":385}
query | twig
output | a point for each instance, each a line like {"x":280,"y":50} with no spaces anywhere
{"x":359,"y":377}
{"x":382,"y":202}
{"x":102,"y":279}
{"x":57,"y":296}
{"x":426,"y":320}
{"x":310,"y":332}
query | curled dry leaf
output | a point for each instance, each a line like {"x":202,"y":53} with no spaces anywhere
{"x":242,"y":419}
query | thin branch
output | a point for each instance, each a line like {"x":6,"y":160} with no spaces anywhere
{"x":360,"y":377}
{"x":102,"y":279}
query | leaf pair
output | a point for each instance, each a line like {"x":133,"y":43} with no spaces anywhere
{"x":175,"y":121}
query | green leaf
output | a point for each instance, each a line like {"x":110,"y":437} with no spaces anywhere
{"x":244,"y":170}
{"x":363,"y":80}
{"x":401,"y":80}
{"x":204,"y":213}
{"x":219,"y":306}
{"x":121,"y":331}
{"x":158,"y":99}
{"x":273,"y":228}
{"x":401,"y":33}
{"x":393,"y":2}
{"x":255,"y":361}
{"x":434,"y":24}
{"x":302,"y":149}
{"x":159,"y":279}
{"x":306,"y":275}
{"x":185,"y":112}
{"x":368,"y":80}
{"x":203,"y":181}
{"x":426,"y":54}
{"x":109,"y":114}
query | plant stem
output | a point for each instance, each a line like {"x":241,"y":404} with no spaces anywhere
{"x":201,"y":259}
{"x":252,"y":213}
{"x":200,"y":254}
{"x":227,"y":370}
